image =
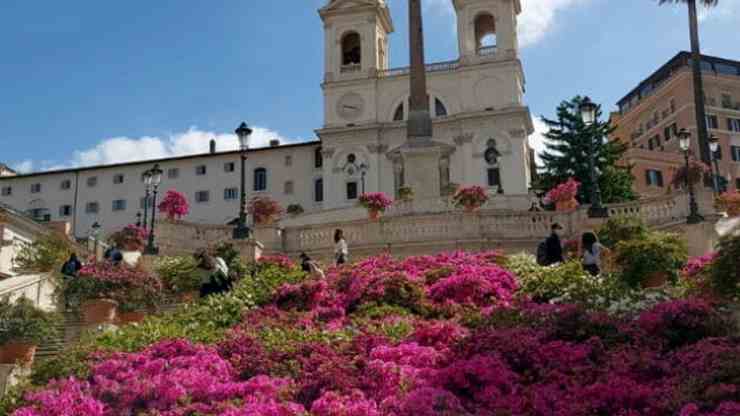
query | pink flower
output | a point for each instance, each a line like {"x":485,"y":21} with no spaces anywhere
{"x":174,"y":205}
{"x":563,"y":192}
{"x":376,"y":201}
{"x":472,"y":196}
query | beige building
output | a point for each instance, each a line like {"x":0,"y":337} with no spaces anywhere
{"x":477,"y":109}
{"x":650,"y":116}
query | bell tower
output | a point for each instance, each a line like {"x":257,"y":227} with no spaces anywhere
{"x":356,"y":38}
{"x":487,"y":28}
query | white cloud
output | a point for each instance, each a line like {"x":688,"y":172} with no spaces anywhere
{"x":537,"y":140}
{"x":724,"y":10}
{"x":538,"y":17}
{"x":127,"y":149}
{"x":25,"y":166}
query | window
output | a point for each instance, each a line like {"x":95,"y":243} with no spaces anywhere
{"x":260,"y":179}
{"x":288,"y":160}
{"x":318,"y":158}
{"x":712,"y":121}
{"x":673,"y":105}
{"x":725,"y":69}
{"x":173,"y":173}
{"x":735,"y":152}
{"x":654,"y":178}
{"x":92,"y":207}
{"x":288,"y":188}
{"x":35,"y":188}
{"x":202,"y":197}
{"x":231,"y":194}
{"x":65,"y":210}
{"x":718,"y":154}
{"x":351,"y":49}
{"x":66,"y":184}
{"x":200,"y":170}
{"x":7,"y":191}
{"x":351,"y":190}
{"x":40,"y":214}
{"x":318,"y":190}
{"x":485,"y":34}
{"x":229,"y":167}
{"x":92,"y":181}
{"x":439,"y":109}
{"x":494,"y":177}
{"x":119,"y":205}
{"x":733,"y":124}
{"x":670,"y":132}
{"x":398,"y":115}
{"x":727,"y":101}
{"x":118,"y":179}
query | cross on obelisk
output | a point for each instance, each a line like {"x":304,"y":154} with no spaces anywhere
{"x":419,"y":124}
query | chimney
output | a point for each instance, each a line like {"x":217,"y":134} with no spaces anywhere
{"x":212,"y":146}
{"x":274,"y":143}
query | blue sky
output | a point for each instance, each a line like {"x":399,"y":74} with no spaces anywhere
{"x":85,"y":82}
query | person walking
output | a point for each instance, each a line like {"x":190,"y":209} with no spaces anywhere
{"x":341,"y":250}
{"x":550,"y":251}
{"x":592,"y":252}
{"x":71,"y":267}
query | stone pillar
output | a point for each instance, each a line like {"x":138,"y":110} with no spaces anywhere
{"x":702,"y":238}
{"x":419,"y":120}
{"x":250,"y":250}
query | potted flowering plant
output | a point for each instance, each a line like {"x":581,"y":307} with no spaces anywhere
{"x":471,"y":198}
{"x":294,"y":209}
{"x":264,"y":209}
{"x":405,"y":193}
{"x":696,"y":172}
{"x":375,"y":203}
{"x":564,"y":195}
{"x":174,"y":205}
{"x":730,"y":201}
{"x":22,"y":328}
{"x":131,"y":238}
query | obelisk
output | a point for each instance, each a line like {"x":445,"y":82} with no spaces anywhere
{"x":421,"y":155}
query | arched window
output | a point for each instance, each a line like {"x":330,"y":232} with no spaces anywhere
{"x":260,"y":179}
{"x":485,"y":34}
{"x":439,"y":109}
{"x":398,"y":115}
{"x":318,"y":158}
{"x":318,"y":190}
{"x":351,"y":49}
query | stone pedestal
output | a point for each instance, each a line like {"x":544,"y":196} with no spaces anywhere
{"x":249,"y":250}
{"x":421,"y":166}
{"x":702,"y":238}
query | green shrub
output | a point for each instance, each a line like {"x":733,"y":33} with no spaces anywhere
{"x":22,"y":321}
{"x":725,"y":276}
{"x":621,"y":228}
{"x":44,"y":255}
{"x":656,"y":253}
{"x":231,"y":256}
{"x":179,"y":273}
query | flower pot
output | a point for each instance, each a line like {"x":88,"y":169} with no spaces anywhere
{"x":99,"y":311}
{"x":125,"y":318}
{"x":568,"y":205}
{"x":187,"y":297}
{"x":657,"y":279}
{"x":471,"y":208}
{"x":266,"y":221}
{"x":373,"y":214}
{"x":14,"y":352}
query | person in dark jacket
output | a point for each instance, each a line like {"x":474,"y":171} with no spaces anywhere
{"x":72,"y":266}
{"x":553,"y":246}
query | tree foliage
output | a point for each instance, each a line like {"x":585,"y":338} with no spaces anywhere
{"x":567,"y":150}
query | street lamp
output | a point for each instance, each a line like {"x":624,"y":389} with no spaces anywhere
{"x":156,"y":179}
{"x":363,"y":172}
{"x":241,"y":232}
{"x":95,"y":233}
{"x":714,"y":147}
{"x":138,"y":219}
{"x":147,"y":176}
{"x":684,"y":140}
{"x":588,"y":115}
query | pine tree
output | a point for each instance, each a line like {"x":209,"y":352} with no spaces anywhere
{"x":566,"y":155}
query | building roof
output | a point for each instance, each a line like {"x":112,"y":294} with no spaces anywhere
{"x":681,"y":60}
{"x":161,"y":160}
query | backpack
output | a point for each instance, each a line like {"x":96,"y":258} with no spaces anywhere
{"x":69,"y":269}
{"x":542,"y":253}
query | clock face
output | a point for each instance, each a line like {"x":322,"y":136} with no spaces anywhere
{"x":351,"y":106}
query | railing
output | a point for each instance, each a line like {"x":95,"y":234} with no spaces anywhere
{"x":435,"y":67}
{"x":350,"y":68}
{"x":487,"y":50}
{"x":39,"y":288}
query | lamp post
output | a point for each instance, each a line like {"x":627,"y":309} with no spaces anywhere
{"x":588,"y":115}
{"x":363,"y":172}
{"x":684,"y":140}
{"x":241,"y":232}
{"x":95,"y":233}
{"x":148,"y":184}
{"x":714,"y":147}
{"x":156,"y":179}
{"x":138,"y":219}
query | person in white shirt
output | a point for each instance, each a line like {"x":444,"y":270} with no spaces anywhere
{"x":341,"y":251}
{"x":592,"y":252}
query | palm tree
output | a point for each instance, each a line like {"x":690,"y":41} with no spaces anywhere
{"x":701,"y":120}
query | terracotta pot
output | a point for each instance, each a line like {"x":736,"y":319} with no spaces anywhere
{"x":569,"y":205}
{"x":266,"y":221}
{"x":471,"y":208}
{"x":99,"y":311}
{"x":373,"y":214}
{"x":131,"y":317}
{"x":14,"y":352}
{"x":657,"y":279}
{"x":187,"y":297}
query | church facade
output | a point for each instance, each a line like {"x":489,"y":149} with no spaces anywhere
{"x":480,"y":125}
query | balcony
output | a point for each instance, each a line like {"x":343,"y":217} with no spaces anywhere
{"x":351,"y":68}
{"x":487,"y":50}
{"x":447,"y":66}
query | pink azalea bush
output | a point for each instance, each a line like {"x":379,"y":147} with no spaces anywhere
{"x":375,"y":201}
{"x":279,"y":260}
{"x":730,"y":201}
{"x":697,"y":265}
{"x":263,"y":209}
{"x":440,"y":335}
{"x":131,"y":237}
{"x":564,"y":192}
{"x":470,"y":197}
{"x":174,"y":205}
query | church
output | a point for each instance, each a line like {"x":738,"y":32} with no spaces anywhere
{"x":430,"y":126}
